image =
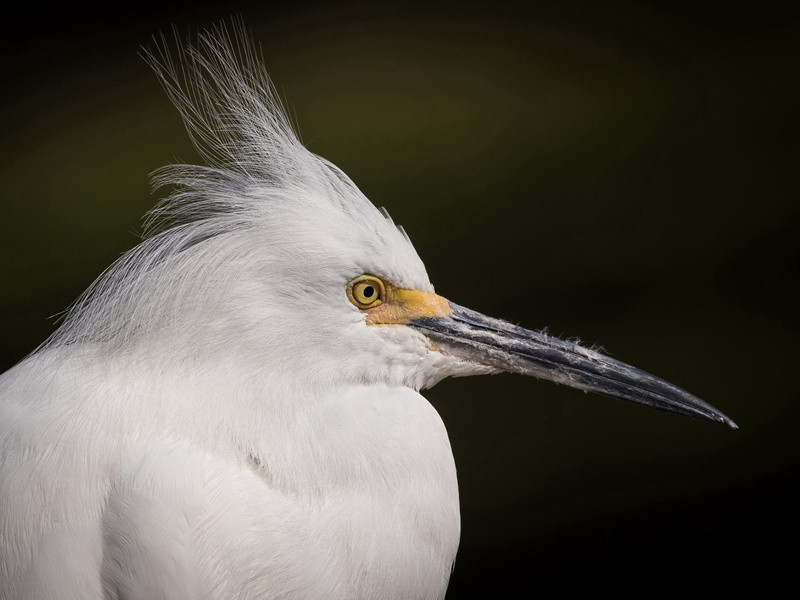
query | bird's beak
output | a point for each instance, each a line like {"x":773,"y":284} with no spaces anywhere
{"x":474,"y":337}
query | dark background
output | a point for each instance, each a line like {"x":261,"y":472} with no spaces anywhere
{"x":622,"y":172}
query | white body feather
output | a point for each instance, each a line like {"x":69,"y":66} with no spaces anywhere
{"x":214,"y":419}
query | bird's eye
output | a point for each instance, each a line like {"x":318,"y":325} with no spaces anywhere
{"x":366,"y":291}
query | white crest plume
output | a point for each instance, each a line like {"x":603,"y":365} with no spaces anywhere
{"x":220,"y":216}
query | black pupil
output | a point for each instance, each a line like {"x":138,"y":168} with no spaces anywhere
{"x":369,"y":291}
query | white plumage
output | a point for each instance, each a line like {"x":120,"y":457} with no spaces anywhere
{"x":199,"y":426}
{"x":216,"y":419}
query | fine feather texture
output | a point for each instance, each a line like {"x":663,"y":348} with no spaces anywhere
{"x":259,"y":185}
{"x":214,"y":419}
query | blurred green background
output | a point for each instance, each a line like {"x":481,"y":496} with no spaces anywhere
{"x":621,"y":172}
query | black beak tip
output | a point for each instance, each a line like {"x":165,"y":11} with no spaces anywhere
{"x":712,"y":414}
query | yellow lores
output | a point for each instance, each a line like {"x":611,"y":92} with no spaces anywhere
{"x":385,"y":304}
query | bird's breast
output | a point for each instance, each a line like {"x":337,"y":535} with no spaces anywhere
{"x":374,"y":467}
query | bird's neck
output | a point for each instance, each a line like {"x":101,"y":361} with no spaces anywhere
{"x":349,"y":438}
{"x":301,"y":436}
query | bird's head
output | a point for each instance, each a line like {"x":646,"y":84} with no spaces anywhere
{"x":271,"y":252}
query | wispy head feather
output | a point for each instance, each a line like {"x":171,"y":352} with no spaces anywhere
{"x":234,"y":117}
{"x":260,"y":198}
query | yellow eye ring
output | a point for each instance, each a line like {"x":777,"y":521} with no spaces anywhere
{"x":366,"y":291}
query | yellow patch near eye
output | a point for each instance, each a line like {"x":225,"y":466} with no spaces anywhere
{"x":402,"y":306}
{"x":386,"y":304}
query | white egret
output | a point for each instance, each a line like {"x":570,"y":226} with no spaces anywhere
{"x":232,"y":409}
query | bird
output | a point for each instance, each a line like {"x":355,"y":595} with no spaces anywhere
{"x":233,"y":408}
